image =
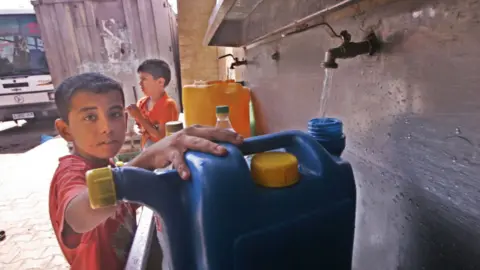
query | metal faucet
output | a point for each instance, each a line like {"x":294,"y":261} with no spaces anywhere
{"x":349,"y":49}
{"x":236,"y":62}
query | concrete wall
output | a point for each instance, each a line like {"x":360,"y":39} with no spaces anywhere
{"x":411,"y":119}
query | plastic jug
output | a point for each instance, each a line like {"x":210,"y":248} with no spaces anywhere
{"x":201,"y":99}
{"x":221,"y":219}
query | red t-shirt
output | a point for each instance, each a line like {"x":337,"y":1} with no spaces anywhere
{"x":105,"y":247}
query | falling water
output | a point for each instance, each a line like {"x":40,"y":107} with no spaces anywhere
{"x":327,"y":85}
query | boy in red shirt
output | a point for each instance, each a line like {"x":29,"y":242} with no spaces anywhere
{"x":154,"y":110}
{"x":91,"y":107}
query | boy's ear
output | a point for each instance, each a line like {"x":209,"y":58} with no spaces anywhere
{"x":63,"y":130}
{"x":161,"y":81}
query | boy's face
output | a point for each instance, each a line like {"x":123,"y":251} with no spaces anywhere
{"x":150,"y":86}
{"x":97,"y":124}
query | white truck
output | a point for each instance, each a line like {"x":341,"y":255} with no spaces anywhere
{"x":26,"y":88}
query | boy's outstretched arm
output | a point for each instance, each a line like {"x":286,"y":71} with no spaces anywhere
{"x":81,"y":217}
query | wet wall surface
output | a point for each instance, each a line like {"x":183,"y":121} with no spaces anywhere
{"x":411,"y":117}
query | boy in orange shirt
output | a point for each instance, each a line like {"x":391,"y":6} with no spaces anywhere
{"x":154,"y":110}
{"x":91,"y":107}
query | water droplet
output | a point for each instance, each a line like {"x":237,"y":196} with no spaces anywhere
{"x":406,"y":121}
{"x":402,"y":195}
{"x":449,"y":198}
{"x":458,"y":131}
{"x":454,"y":160}
{"x":456,"y":186}
{"x":389,"y":134}
{"x":427,"y":188}
{"x":382,"y":173}
{"x":409,"y":136}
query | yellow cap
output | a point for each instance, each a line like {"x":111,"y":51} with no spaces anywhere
{"x":119,"y":163}
{"x":275,"y":169}
{"x":101,"y":188}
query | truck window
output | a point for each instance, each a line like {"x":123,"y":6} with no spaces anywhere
{"x":21,"y":48}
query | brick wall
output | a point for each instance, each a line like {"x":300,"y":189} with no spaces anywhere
{"x":198,"y":62}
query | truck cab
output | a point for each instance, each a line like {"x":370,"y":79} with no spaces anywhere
{"x":26,"y":88}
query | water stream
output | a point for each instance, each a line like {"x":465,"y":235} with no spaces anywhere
{"x":327,"y":85}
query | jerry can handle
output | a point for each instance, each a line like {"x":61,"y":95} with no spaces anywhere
{"x":147,"y":187}
{"x":309,"y":152}
{"x":270,"y":142}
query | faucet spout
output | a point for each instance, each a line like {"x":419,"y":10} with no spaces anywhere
{"x":350,"y":49}
{"x":236,"y":62}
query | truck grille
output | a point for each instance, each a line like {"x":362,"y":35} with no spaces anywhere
{"x":14,"y":85}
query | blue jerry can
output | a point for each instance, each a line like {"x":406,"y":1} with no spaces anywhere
{"x":221,"y":219}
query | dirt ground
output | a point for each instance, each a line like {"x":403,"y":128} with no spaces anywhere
{"x":15,"y":139}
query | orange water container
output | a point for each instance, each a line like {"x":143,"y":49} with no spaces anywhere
{"x":201,"y":98}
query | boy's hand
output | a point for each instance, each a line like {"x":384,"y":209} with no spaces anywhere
{"x":171,"y":149}
{"x":134,"y":111}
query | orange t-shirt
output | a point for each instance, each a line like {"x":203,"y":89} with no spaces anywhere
{"x":165,"y":110}
{"x":105,"y":247}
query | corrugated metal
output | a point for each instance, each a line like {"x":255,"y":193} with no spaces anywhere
{"x":411,"y":120}
{"x":109,"y":36}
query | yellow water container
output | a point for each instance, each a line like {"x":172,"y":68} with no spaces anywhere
{"x":201,"y":99}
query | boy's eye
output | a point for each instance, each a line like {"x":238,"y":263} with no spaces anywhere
{"x":90,"y":117}
{"x":116,"y":114}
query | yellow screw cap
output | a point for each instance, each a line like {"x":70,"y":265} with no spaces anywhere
{"x":101,"y":188}
{"x":119,"y":163}
{"x":275,"y":169}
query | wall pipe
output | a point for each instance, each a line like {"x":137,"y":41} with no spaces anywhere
{"x":283,"y":31}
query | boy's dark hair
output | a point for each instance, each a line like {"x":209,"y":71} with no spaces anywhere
{"x":88,"y":82}
{"x":157,"y":68}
